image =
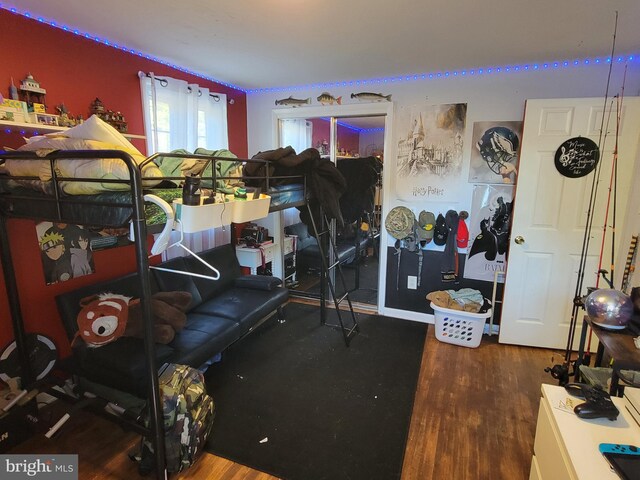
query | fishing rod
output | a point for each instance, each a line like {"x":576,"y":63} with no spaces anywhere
{"x":615,"y":180}
{"x":613,"y":189}
{"x":561,"y":372}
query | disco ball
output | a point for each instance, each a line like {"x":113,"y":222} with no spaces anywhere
{"x":609,"y":308}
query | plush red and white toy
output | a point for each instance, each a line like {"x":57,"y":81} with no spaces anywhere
{"x":109,"y":316}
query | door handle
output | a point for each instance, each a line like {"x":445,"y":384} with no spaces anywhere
{"x":519,"y":240}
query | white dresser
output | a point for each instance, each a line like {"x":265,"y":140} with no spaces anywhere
{"x":566,"y":447}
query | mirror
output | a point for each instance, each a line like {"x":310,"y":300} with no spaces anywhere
{"x":355,"y":144}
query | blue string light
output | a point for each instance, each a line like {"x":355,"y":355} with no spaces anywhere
{"x":327,"y":85}
{"x":106,"y":42}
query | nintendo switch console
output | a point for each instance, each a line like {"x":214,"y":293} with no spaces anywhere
{"x":624,"y":459}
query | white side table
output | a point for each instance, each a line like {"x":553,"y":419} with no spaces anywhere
{"x":253,"y":258}
{"x":566,"y":446}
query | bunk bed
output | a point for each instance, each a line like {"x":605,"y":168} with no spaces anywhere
{"x":82,"y":195}
{"x":122,"y":205}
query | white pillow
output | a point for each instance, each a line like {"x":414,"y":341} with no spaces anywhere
{"x":106,"y":168}
{"x":95,"y":128}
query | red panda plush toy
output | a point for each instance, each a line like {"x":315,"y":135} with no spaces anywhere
{"x":109,"y":316}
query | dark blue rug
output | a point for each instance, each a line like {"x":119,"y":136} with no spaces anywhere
{"x":293,"y":401}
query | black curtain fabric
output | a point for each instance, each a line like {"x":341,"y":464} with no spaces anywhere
{"x":362,"y":175}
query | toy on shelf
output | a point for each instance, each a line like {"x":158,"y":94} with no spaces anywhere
{"x":115,"y":119}
{"x":31,"y":92}
{"x":13,"y":111}
{"x":67,"y":120}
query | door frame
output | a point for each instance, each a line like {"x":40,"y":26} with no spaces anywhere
{"x":385,"y":109}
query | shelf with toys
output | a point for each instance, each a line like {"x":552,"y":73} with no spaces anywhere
{"x":25,"y":112}
{"x":30,"y":129}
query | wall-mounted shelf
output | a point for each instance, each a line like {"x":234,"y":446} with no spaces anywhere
{"x":38,"y":128}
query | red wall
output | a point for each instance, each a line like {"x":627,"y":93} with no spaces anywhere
{"x":75,"y":71}
{"x":347,"y":138}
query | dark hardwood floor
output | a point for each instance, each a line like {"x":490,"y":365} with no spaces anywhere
{"x":474,"y":418}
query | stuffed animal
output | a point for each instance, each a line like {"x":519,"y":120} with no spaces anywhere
{"x":108,"y":316}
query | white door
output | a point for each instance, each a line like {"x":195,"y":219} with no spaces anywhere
{"x":550,"y":214}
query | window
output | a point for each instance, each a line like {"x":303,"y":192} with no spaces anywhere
{"x":179,"y":115}
{"x":297,"y":133}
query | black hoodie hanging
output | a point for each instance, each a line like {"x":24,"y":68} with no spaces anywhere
{"x":449,"y":268}
{"x":440,"y":231}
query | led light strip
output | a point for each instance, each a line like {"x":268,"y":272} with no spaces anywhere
{"x":353,"y":127}
{"x":21,"y":131}
{"x":106,"y":42}
{"x":472,"y":72}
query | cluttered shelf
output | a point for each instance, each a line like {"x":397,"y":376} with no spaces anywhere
{"x":43,"y":128}
{"x":620,"y":346}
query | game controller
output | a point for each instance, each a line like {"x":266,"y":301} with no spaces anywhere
{"x":621,"y":449}
{"x":598,"y":403}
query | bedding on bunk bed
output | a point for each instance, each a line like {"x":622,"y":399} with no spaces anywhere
{"x":27,"y":186}
{"x":94,"y":134}
{"x":282,"y":173}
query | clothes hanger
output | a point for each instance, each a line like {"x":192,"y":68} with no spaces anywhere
{"x":162,"y":241}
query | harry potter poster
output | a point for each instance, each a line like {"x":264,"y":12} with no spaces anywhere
{"x":430,"y":147}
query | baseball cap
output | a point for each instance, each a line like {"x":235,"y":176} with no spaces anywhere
{"x":427,"y":224}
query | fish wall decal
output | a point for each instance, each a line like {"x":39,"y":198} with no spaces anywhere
{"x":294,"y":102}
{"x":371,"y":97}
{"x":328,"y":99}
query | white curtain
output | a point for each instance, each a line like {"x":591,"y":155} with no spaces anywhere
{"x":180,"y":115}
{"x":297,"y":133}
{"x":212,"y":109}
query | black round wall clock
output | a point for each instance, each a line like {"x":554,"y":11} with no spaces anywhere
{"x":577,"y":157}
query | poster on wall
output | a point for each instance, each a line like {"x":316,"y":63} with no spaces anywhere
{"x":65,"y":252}
{"x":430,"y":143}
{"x":489,"y":226}
{"x":494,"y":156}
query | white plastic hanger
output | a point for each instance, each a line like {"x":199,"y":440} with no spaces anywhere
{"x":162,"y":241}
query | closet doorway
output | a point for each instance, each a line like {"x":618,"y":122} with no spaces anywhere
{"x":354,"y":138}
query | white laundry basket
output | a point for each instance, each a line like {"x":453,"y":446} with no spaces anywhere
{"x":458,"y":327}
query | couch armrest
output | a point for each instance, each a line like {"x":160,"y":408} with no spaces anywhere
{"x":258,"y":282}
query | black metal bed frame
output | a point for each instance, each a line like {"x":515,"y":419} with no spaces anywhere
{"x":135,"y":182}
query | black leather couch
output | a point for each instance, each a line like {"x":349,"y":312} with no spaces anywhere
{"x":221,"y":313}
{"x":350,"y":246}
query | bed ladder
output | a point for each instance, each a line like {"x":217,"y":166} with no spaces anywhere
{"x":349,"y":329}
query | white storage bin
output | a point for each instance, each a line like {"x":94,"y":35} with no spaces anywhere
{"x":196,"y":218}
{"x":248,"y":210}
{"x":458,"y":327}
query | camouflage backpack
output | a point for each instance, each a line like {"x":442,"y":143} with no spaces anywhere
{"x":188,"y":416}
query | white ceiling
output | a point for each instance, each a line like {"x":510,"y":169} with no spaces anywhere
{"x":276,"y":43}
